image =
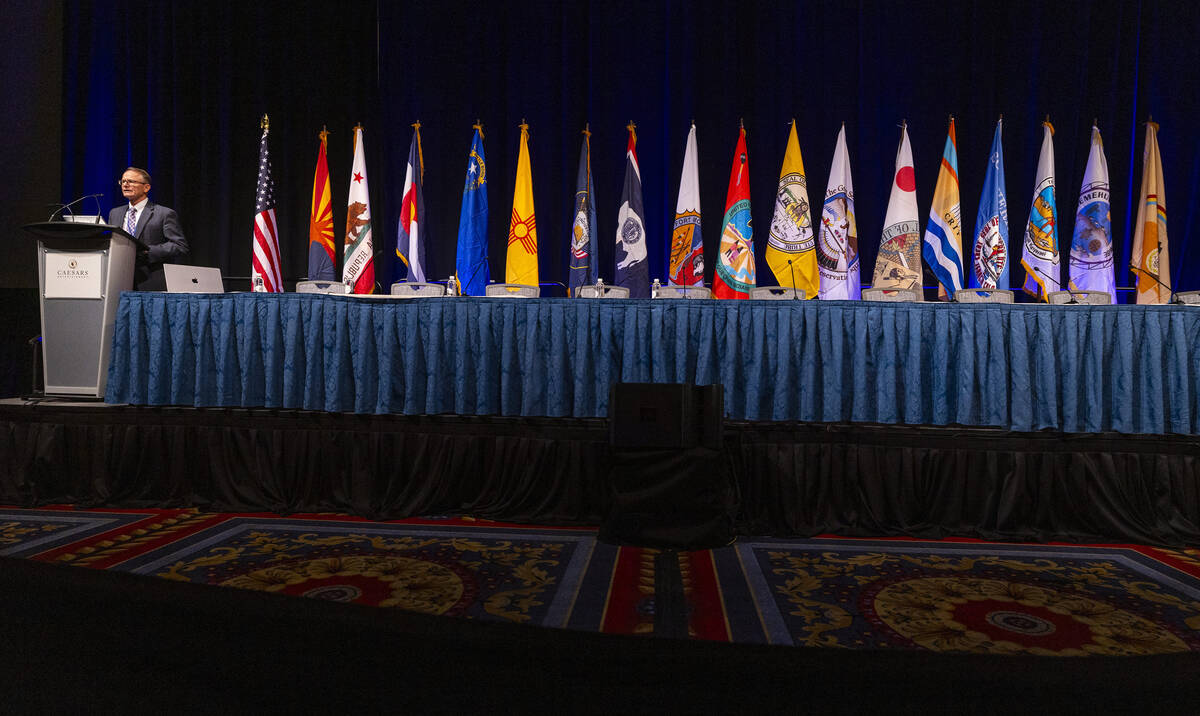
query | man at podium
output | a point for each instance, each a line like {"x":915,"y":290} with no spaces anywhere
{"x":154,"y":225}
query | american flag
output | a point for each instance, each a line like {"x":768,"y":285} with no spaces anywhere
{"x":265,"y":272}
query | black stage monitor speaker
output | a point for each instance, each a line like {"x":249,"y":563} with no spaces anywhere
{"x":671,"y":479}
{"x":665,"y":415}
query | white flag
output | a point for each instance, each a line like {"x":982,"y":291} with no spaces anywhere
{"x":358,"y":268}
{"x":1039,"y":254}
{"x":687,"y":245}
{"x":1091,"y":249}
{"x":899,"y":262}
{"x":837,"y":249}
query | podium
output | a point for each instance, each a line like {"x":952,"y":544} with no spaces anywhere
{"x":82,"y":270}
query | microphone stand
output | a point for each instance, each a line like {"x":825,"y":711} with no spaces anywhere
{"x":1172,"y":299}
{"x":63,"y":207}
{"x":1057,"y":284}
{"x":792,"y":269}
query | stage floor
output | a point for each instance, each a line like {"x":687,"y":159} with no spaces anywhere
{"x":790,"y":479}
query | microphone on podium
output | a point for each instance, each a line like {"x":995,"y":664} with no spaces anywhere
{"x":60,"y":208}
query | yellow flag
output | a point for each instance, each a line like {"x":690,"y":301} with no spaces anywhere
{"x":1150,"y":258}
{"x":791,"y":249}
{"x":522,"y":262}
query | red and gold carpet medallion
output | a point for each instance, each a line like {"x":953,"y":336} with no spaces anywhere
{"x":995,"y":616}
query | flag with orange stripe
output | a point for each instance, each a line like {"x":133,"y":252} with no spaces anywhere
{"x":321,"y":256}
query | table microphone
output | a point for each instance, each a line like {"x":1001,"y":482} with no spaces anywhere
{"x":1173,"y":299}
{"x":1057,"y":284}
{"x":792,"y":269}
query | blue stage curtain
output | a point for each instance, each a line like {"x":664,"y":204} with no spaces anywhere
{"x":1131,"y":369}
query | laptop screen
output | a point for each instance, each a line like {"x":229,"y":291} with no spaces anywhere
{"x":193,"y":279}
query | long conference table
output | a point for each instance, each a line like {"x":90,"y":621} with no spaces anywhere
{"x":1129,"y":369}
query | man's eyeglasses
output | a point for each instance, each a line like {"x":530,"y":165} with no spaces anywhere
{"x":127,"y":182}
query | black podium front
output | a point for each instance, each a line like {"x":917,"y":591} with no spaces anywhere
{"x":82,"y":269}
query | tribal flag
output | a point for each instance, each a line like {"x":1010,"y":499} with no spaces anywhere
{"x":1039,"y":255}
{"x":264,"y":270}
{"x":471,"y":265}
{"x":1150,"y":257}
{"x":898,"y":264}
{"x":521,"y":265}
{"x":943,"y":233}
{"x":358,"y":267}
{"x":412,"y":232}
{"x":1091,"y":263}
{"x":321,"y":256}
{"x":837,"y":247}
{"x":791,"y":247}
{"x":734,"y":276}
{"x":989,"y":265}
{"x":584,"y":269}
{"x":687,"y":245}
{"x":633,"y":270}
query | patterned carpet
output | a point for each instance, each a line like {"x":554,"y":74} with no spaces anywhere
{"x":951,"y":596}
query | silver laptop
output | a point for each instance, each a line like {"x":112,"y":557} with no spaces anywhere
{"x":193,"y":279}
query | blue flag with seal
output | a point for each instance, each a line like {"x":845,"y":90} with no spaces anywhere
{"x":989,"y":259}
{"x":633,"y":268}
{"x":471,"y":266}
{"x":584,"y":269}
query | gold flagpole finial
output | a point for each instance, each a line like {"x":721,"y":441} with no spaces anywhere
{"x":587,"y":129}
{"x":741,"y":123}
{"x":265,"y":123}
{"x":417,"y":125}
{"x":324,"y":133}
{"x":523,"y":125}
{"x":631,"y":126}
{"x":1047,"y":123}
{"x":358,"y":127}
{"x":478,"y":126}
{"x":693,"y":122}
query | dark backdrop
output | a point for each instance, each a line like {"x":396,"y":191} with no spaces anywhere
{"x":179,"y":88}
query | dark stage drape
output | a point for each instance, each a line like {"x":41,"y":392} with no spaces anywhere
{"x":792,"y":479}
{"x":179,"y":87}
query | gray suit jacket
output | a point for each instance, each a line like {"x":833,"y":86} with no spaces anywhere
{"x":158,"y":228}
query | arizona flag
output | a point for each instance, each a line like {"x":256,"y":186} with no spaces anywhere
{"x":989,"y":265}
{"x":471,"y":264}
{"x":791,"y":247}
{"x":320,"y":222}
{"x":633,"y":270}
{"x":898,"y":264}
{"x":584,"y":270}
{"x":943,"y":233}
{"x":837,"y":247}
{"x":734,"y":276}
{"x":1150,"y":258}
{"x":358,"y":267}
{"x":521,"y":265}
{"x":411,"y":235}
{"x":1039,"y":254}
{"x":1092,"y":266}
{"x":264,"y":269}
{"x":687,"y":244}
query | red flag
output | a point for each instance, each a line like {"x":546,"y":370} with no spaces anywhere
{"x":734,"y":276}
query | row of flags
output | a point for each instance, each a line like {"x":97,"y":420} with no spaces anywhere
{"x":822,"y":261}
